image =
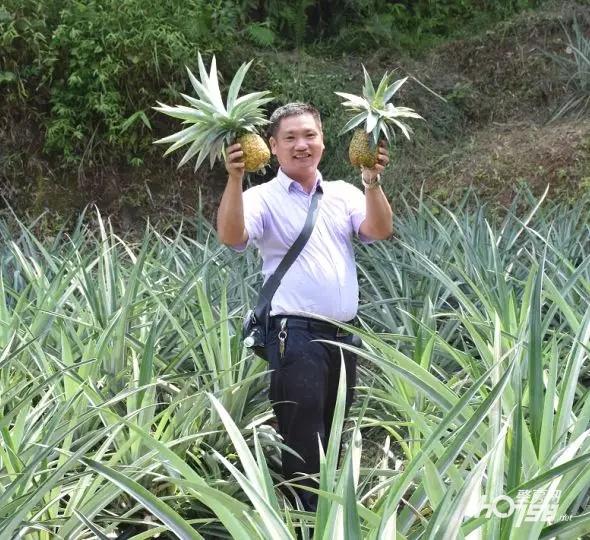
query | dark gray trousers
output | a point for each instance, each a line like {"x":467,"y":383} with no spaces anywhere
{"x":303,"y":390}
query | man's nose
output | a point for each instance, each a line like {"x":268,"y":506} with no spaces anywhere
{"x":301,"y":143}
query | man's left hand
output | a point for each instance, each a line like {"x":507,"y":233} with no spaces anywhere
{"x":382,"y":161}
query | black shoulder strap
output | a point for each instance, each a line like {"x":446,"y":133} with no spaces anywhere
{"x":273,"y":282}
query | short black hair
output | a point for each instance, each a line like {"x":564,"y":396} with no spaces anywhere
{"x":291,"y":109}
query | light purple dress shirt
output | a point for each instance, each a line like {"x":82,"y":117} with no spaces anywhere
{"x":322,"y":280}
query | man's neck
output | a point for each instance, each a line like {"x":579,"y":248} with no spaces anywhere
{"x":307,"y":182}
{"x":307,"y":185}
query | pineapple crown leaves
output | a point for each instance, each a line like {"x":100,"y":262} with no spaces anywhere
{"x":375,"y":110}
{"x":212,"y":124}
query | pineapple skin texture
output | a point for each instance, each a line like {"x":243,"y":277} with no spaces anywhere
{"x":256,"y":152}
{"x":360,"y":152}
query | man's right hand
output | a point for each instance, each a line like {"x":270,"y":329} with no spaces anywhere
{"x":230,"y":215}
{"x":234,"y":164}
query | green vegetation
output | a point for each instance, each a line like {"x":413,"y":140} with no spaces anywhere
{"x":127,"y":402}
{"x":98,"y":64}
{"x":79,"y":80}
{"x":575,"y":65}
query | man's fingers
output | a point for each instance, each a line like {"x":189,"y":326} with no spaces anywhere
{"x":235,"y":162}
{"x":233,"y":158}
{"x":383,"y":156}
{"x":236,"y":165}
{"x":233,"y":148}
{"x":382,"y":161}
{"x":233,"y":153}
{"x":236,"y":154}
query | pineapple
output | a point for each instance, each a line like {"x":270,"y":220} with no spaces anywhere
{"x":380,"y":117}
{"x":212,"y":125}
{"x":256,"y":152}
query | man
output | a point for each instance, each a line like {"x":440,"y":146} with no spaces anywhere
{"x":321,"y":282}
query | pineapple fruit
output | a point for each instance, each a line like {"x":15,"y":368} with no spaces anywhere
{"x":380,"y":118}
{"x":360,"y":151}
{"x":213,"y":125}
{"x":256,"y":152}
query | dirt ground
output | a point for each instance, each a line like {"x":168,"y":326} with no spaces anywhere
{"x":499,"y":160}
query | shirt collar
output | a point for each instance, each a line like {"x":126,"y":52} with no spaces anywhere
{"x":288,"y":183}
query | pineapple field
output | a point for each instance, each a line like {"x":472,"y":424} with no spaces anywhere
{"x":129,"y":407}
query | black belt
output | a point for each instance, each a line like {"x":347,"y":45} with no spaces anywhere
{"x":308,"y":323}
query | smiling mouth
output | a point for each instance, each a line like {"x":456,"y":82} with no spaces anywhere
{"x":302,"y":156}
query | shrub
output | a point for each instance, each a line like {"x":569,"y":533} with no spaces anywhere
{"x":100,"y":61}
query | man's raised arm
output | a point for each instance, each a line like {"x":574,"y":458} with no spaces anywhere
{"x":231,"y":230}
{"x":378,"y":224}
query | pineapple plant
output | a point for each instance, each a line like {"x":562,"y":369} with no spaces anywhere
{"x":380,"y":118}
{"x":213,"y":125}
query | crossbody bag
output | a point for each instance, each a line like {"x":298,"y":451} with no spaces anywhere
{"x":256,"y":323}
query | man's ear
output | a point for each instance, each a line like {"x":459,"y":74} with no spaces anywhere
{"x":273,"y":145}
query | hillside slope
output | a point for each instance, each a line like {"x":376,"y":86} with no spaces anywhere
{"x":486,"y":98}
{"x":506,"y":87}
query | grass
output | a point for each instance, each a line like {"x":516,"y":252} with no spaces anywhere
{"x":575,"y":68}
{"x":128,"y":405}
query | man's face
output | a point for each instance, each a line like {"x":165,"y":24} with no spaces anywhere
{"x":298,"y":145}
